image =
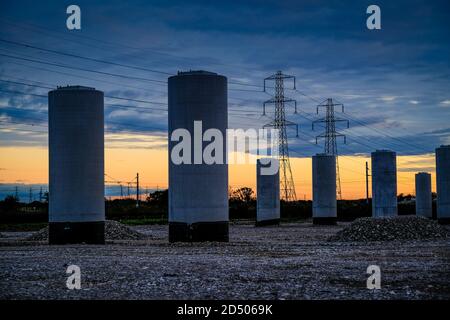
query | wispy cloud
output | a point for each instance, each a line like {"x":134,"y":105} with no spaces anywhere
{"x":445,"y":103}
{"x":388,"y":98}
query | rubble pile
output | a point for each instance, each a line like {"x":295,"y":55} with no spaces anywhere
{"x":390,"y":229}
{"x":113,"y":231}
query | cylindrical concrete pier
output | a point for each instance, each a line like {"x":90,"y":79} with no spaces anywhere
{"x":76,"y":165}
{"x":198,"y":187}
{"x":424,"y":204}
{"x":443,"y":184}
{"x":384,"y":183}
{"x":268,"y":192}
{"x":324,"y":189}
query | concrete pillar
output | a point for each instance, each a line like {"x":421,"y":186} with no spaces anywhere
{"x":443,"y":184}
{"x":198,"y":192}
{"x":76,"y":165}
{"x":424,"y":204}
{"x":324,"y":189}
{"x":384,"y":183}
{"x":268,"y":192}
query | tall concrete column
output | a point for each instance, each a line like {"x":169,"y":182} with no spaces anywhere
{"x":424,"y":204}
{"x":384,"y":183}
{"x":324,"y":189}
{"x":76,"y":165}
{"x":198,"y":190}
{"x":268,"y":192}
{"x":443,"y":184}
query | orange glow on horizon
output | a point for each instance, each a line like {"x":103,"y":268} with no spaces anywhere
{"x":30,"y":165}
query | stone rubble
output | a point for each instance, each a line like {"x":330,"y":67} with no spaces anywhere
{"x":113,"y":231}
{"x":391,"y":229}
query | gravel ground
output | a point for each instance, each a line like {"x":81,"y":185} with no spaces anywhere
{"x":291,"y":261}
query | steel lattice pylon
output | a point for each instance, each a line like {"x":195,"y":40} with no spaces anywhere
{"x":330,"y":135}
{"x":287,"y":186}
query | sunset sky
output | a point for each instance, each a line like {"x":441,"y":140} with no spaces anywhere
{"x":394,"y":82}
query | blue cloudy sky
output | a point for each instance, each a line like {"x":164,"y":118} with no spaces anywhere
{"x":396,"y":79}
{"x":394,"y":82}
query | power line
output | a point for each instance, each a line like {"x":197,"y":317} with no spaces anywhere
{"x":106,"y":96}
{"x":72,"y":75}
{"x":24,"y":93}
{"x":83,"y":69}
{"x":311,"y":119}
{"x":114,"y":44}
{"x":106,"y":104}
{"x":308,"y":96}
{"x":115,"y":63}
{"x":361,"y":122}
{"x":138,"y":67}
{"x":308,"y":156}
{"x":159,"y":129}
{"x":136,"y":107}
{"x":355,"y":139}
{"x":398,"y":139}
{"x":42,"y":121}
{"x":84,"y":57}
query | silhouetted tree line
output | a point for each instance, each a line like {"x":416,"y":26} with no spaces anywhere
{"x":155,"y":206}
{"x":13,"y":211}
{"x":242,"y":205}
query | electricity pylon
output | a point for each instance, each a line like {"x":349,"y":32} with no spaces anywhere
{"x":330,"y":135}
{"x":280,"y":123}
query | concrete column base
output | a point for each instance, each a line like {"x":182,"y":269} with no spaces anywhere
{"x":76,"y":232}
{"x":198,"y":231}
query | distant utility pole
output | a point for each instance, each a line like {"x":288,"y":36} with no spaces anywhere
{"x":30,"y":197}
{"x":16,"y":194}
{"x":137,"y":190}
{"x":367,"y":182}
{"x":330,"y":135}
{"x":40,"y":195}
{"x":287,"y":189}
{"x":121,"y":191}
